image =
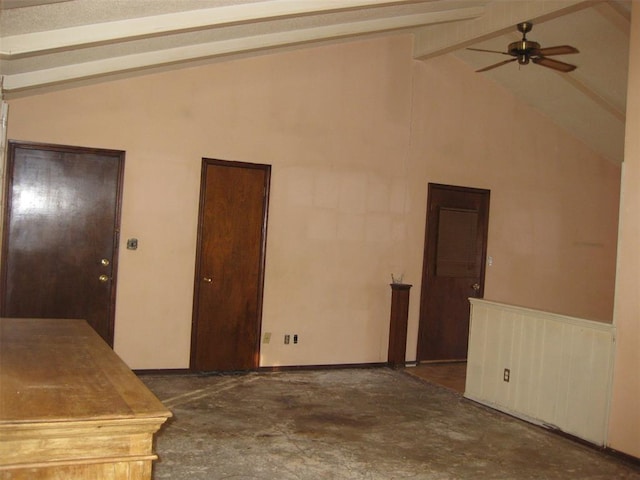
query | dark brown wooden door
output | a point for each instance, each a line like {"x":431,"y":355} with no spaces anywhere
{"x":60,"y":235}
{"x":230,"y":266}
{"x":453,"y":270}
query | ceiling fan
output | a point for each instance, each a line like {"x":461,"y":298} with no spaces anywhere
{"x":525,"y":51}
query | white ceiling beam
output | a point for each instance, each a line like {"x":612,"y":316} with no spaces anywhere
{"x":36,"y":78}
{"x":594,"y":96}
{"x":614,"y":14}
{"x":9,"y":4}
{"x":122,"y":30}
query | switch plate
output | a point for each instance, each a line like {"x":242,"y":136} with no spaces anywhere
{"x":266,"y":338}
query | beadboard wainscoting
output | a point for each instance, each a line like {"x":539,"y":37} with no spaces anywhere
{"x":549,"y":369}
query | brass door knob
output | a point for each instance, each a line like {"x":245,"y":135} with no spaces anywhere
{"x":105,"y":262}
{"x":207,"y":279}
{"x":103,"y":278}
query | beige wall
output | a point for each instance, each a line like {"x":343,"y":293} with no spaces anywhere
{"x":553,"y":213}
{"x":354,"y":133}
{"x":624,"y":427}
{"x":335,"y":126}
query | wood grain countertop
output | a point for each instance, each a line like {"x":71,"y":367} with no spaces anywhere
{"x":61,"y":370}
{"x":70,"y":407}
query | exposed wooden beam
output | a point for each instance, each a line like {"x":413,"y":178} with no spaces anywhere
{"x":123,"y":30}
{"x":207,"y":50}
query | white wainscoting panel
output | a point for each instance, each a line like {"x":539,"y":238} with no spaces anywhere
{"x":560,"y":367}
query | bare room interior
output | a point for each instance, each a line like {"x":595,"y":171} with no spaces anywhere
{"x":359,"y":239}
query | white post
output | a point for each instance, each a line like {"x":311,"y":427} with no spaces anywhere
{"x":4,"y":122}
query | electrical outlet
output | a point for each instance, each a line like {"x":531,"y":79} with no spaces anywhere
{"x":266,"y":338}
{"x":295,"y":338}
{"x":507,"y":375}
{"x":287,"y":339}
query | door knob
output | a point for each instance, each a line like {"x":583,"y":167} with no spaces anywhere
{"x":105,"y":262}
{"x":476,"y":287}
{"x":207,"y":279}
{"x":103,"y":278}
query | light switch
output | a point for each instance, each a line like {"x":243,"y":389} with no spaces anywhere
{"x":132,"y":244}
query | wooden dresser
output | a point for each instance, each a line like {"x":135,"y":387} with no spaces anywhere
{"x":70,"y":408}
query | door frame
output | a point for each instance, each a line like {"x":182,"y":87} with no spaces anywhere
{"x":426,"y":258}
{"x":263,"y":250}
{"x":12,"y":145}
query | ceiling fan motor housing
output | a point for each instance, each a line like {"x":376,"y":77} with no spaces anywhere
{"x":523,"y":49}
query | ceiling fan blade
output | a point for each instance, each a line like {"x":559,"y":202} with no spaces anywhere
{"x":496,"y":65}
{"x":488,"y":51}
{"x":554,"y":64}
{"x":558,"y":50}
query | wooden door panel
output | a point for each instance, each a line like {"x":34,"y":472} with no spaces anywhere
{"x":61,"y":227}
{"x":229,"y":274}
{"x":454,"y":261}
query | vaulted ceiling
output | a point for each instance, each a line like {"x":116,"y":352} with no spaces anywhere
{"x":50,"y":44}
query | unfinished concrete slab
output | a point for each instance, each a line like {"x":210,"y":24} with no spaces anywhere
{"x":373,"y":424}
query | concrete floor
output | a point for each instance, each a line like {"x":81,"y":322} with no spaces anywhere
{"x":369,"y":424}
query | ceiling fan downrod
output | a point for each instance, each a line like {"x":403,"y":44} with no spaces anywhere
{"x":523,"y":49}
